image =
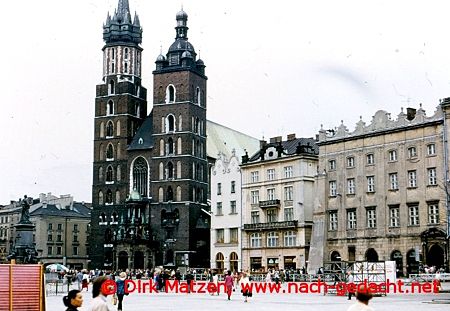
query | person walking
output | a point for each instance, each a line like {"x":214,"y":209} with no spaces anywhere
{"x":245,"y":286}
{"x":362,"y":301}
{"x":216,"y":283}
{"x":85,"y":281}
{"x":79,"y":279}
{"x":350,"y":280}
{"x":229,"y":283}
{"x":121,"y":289}
{"x":189,"y":279}
{"x":99,"y":294}
{"x":73,"y":300}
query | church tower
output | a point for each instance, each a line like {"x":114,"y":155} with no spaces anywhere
{"x":179,"y":161}
{"x":120,"y":109}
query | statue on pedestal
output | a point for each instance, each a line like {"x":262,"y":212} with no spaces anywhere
{"x":25,"y":216}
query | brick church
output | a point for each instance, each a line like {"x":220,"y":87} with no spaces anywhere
{"x":151,"y":169}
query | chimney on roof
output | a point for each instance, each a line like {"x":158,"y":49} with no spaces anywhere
{"x":262,"y":144}
{"x":410,"y":114}
{"x":291,"y":136}
{"x":41,"y":197}
{"x":276,"y":139}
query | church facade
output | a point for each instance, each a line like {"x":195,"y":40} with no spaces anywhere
{"x":151,"y":170}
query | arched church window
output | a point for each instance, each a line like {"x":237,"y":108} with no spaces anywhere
{"x":110,"y":108}
{"x":100,"y":174}
{"x":169,"y":170}
{"x":170,"y":94}
{"x":100,"y":198}
{"x":161,"y":147}
{"x":170,"y":146}
{"x":197,"y":126}
{"x":178,"y":193}
{"x":110,"y":129}
{"x":126,"y":53}
{"x":180,"y":123}
{"x":179,"y":169}
{"x":110,"y":152}
{"x":126,"y":67}
{"x":111,"y":89}
{"x":161,"y":171}
{"x":140,"y":176}
{"x":117,"y":197}
{"x":169,"y":194}
{"x":102,"y":152}
{"x":109,"y":174}
{"x":137,"y":108}
{"x":197,"y":95}
{"x":160,"y":194}
{"x":119,"y":173}
{"x":179,"y":146}
{"x":118,"y":127}
{"x":109,"y":197}
{"x":102,"y":129}
{"x":170,"y":123}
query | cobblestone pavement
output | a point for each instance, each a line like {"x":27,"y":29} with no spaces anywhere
{"x":261,"y":302}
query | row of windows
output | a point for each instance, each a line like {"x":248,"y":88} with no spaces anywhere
{"x":59,"y":238}
{"x":392,"y":157}
{"x":75,"y":250}
{"x":125,"y":60}
{"x":4,"y":219}
{"x":169,"y":124}
{"x":288,"y":172}
{"x":394,"y":217}
{"x":232,"y":187}
{"x":163,"y":195}
{"x":271,"y":194}
{"x":110,"y":174}
{"x":60,"y":226}
{"x":271,"y":215}
{"x":272,"y":239}
{"x":169,"y":147}
{"x":393,"y":182}
{"x":171,"y":94}
{"x":219,"y":208}
{"x":233,"y":235}
{"x":112,"y":91}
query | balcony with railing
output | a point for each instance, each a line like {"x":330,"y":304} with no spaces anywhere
{"x":269,"y":203}
{"x":271,"y":225}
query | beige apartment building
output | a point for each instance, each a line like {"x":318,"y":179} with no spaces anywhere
{"x":61,"y":233}
{"x":277,"y":198}
{"x":382,"y":192}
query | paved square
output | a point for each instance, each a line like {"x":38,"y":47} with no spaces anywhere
{"x":260,"y":302}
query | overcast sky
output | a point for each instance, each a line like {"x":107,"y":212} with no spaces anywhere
{"x":274,"y":68}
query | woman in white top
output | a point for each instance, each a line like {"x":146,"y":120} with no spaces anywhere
{"x":246,"y":287}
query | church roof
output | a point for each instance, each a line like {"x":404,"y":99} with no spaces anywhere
{"x":220,"y":139}
{"x":223,"y":139}
{"x":143,"y":138}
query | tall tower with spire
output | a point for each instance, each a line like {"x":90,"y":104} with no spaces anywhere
{"x":179,"y":158}
{"x":120,"y":109}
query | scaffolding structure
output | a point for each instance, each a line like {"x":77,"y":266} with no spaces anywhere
{"x":336,"y":272}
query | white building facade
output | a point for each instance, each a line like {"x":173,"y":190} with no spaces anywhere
{"x":226,"y":214}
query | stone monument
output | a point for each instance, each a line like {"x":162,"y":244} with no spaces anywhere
{"x":24,"y":250}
